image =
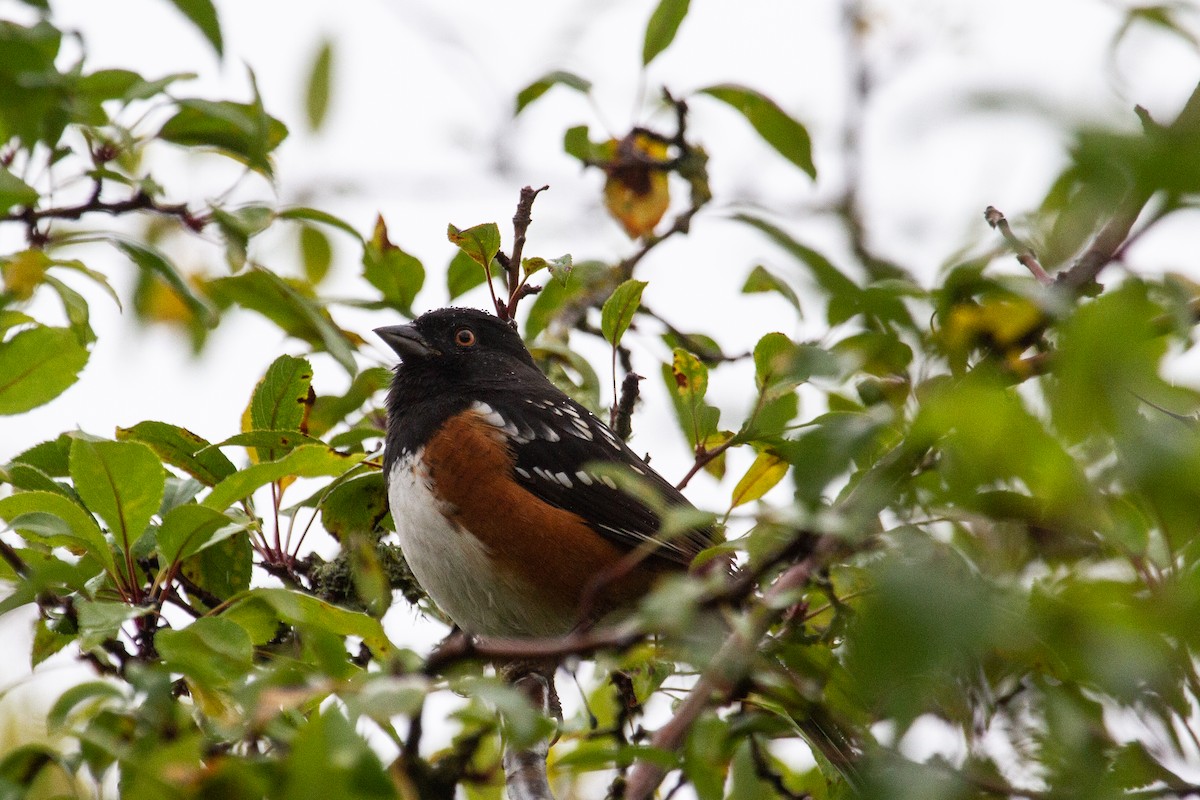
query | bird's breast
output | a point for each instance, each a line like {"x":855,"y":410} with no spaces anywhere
{"x":460,"y":573}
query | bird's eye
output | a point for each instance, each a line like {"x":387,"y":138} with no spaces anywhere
{"x":465,"y":337}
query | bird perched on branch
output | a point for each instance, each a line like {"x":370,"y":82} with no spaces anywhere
{"x":504,"y":510}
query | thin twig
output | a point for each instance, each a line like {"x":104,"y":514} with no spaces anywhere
{"x":521,"y":222}
{"x":461,"y":646}
{"x":704,"y":457}
{"x":141,"y":201}
{"x":1114,"y":233}
{"x":1024,"y":252}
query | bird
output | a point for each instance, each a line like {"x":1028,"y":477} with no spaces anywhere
{"x":501,"y":510}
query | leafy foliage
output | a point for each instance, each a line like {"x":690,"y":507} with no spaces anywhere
{"x":970,"y":506}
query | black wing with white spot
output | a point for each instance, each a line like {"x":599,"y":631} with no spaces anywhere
{"x":555,"y":440}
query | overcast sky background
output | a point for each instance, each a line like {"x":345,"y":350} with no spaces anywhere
{"x":421,"y":130}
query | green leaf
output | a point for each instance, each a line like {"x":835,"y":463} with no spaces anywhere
{"x":49,"y":639}
{"x":619,"y":308}
{"x":328,"y":758}
{"x":153,"y":261}
{"x":15,"y":192}
{"x":316,"y":95}
{"x":316,"y":252}
{"x":122,"y":482}
{"x":841,"y":290}
{"x":51,"y":457}
{"x":181,"y":448}
{"x":577,"y":144}
{"x":81,"y":527}
{"x":277,"y":442}
{"x":188,"y":529}
{"x":1108,"y":356}
{"x":480,"y":242}
{"x":583,"y":278}
{"x":223,"y":569}
{"x":75,"y":306}
{"x":101,"y":621}
{"x":780,"y":365}
{"x":92,"y":693}
{"x":212,"y":650}
{"x":241,"y":131}
{"x":397,"y":275}
{"x":238,"y":226}
{"x":560,"y":268}
{"x":289,"y":307}
{"x":203,"y":15}
{"x":37,"y":365}
{"x":108,"y":84}
{"x":767,"y":470}
{"x":702,"y":756}
{"x":355,"y":506}
{"x":281,"y":399}
{"x":329,"y":410}
{"x":304,"y":214}
{"x":789,"y":138}
{"x":295,"y":608}
{"x":687,"y":378}
{"x":762,"y":280}
{"x":463,"y":274}
{"x":543,"y":84}
{"x":307,"y":461}
{"x":662,"y":27}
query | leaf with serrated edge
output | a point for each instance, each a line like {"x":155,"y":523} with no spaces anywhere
{"x":480,"y":242}
{"x":80,"y":524}
{"x":181,"y":448}
{"x":122,"y":482}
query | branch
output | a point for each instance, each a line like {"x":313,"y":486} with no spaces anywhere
{"x":728,"y":667}
{"x":94,"y":205}
{"x":460,"y":646}
{"x":1114,"y":233}
{"x":1025,"y":254}
{"x":512,"y":271}
{"x":704,"y":458}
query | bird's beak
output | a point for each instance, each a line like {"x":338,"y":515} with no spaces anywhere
{"x":407,"y":343}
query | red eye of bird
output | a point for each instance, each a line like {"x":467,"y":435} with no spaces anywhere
{"x":465,"y":337}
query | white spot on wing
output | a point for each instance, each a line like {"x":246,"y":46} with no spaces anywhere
{"x":584,"y":478}
{"x":607,"y":481}
{"x":562,"y":478}
{"x":581,"y":429}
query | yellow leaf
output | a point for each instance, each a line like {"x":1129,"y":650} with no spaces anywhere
{"x":23,"y":272}
{"x":767,"y":470}
{"x":636,"y":192}
{"x":161,"y":303}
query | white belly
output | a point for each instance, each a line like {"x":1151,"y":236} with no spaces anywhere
{"x":454,"y":569}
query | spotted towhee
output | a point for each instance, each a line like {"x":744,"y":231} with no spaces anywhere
{"x":501,"y":512}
